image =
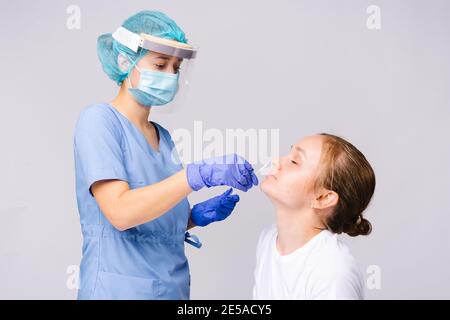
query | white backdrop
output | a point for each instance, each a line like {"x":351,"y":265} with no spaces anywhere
{"x":298,"y":66}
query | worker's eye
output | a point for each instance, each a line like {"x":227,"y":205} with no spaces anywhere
{"x":294,"y":162}
{"x":160,"y":66}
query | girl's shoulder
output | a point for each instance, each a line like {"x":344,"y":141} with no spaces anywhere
{"x":267,"y":235}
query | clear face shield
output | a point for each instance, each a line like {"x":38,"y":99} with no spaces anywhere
{"x":181,"y":55}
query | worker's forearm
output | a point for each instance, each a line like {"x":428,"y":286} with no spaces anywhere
{"x":144,"y":204}
{"x":190,"y":224}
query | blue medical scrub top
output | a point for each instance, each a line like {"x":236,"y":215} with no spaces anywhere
{"x":144,"y":262}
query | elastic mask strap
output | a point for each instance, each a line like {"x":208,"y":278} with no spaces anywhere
{"x":132,"y":65}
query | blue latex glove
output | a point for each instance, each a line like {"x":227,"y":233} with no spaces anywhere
{"x":214,"y":209}
{"x":231,"y":170}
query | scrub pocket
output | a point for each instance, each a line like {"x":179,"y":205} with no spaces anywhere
{"x":123,"y":287}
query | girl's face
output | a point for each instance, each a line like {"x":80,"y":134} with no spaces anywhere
{"x":291,"y":182}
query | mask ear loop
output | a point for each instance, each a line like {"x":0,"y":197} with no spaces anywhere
{"x":132,"y":65}
{"x":123,"y":61}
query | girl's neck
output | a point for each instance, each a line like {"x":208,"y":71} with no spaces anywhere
{"x":296,"y":228}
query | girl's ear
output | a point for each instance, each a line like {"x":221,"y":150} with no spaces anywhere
{"x":123,"y":62}
{"x":325,"y":200}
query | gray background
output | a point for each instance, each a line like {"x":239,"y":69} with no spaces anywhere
{"x":300,"y":66}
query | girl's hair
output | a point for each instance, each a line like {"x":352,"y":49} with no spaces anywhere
{"x":348,"y":173}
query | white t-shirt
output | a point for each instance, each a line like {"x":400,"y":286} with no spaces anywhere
{"x":323,"y":268}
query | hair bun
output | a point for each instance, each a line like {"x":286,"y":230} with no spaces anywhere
{"x":362,"y":227}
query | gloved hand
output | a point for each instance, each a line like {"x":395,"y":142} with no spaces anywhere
{"x":214,"y":209}
{"x":231,"y":170}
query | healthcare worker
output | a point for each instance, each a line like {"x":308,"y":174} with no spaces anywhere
{"x":131,"y":188}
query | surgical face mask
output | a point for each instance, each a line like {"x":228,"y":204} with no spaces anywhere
{"x":155,"y":88}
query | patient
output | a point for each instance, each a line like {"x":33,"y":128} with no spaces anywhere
{"x":320,"y":189}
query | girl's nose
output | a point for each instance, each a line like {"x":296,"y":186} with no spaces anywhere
{"x":276,"y":166}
